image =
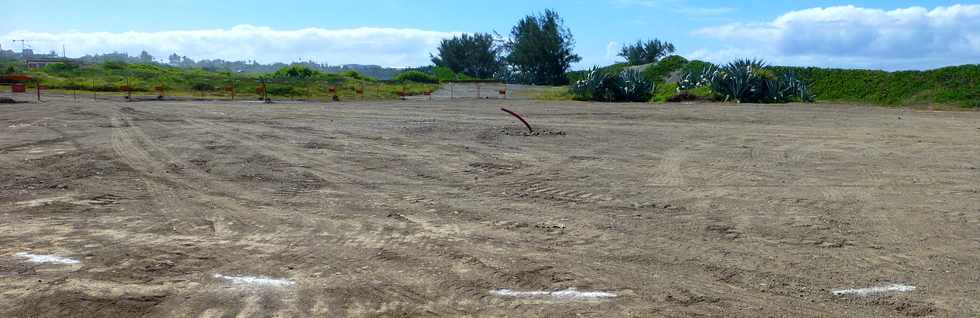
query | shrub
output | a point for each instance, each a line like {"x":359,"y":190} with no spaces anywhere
{"x":416,"y":76}
{"x":634,"y":87}
{"x":664,"y":68}
{"x":114,"y":65}
{"x":444,"y":74}
{"x":955,"y":85}
{"x":664,"y":92}
{"x":355,"y":75}
{"x":281,"y":90}
{"x":749,"y":81}
{"x":295,"y":72}
{"x":598,"y":85}
{"x":207,"y":87}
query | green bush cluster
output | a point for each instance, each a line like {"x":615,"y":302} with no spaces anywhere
{"x":599,"y":85}
{"x":293,"y":81}
{"x":416,"y":77}
{"x":660,"y":71}
{"x":957,"y":85}
{"x":749,"y":81}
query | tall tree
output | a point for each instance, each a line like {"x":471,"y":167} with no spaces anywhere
{"x":540,"y":49}
{"x":145,"y":57}
{"x":174,"y":59}
{"x":646,"y":52}
{"x":474,"y":55}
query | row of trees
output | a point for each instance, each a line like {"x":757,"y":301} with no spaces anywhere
{"x":539,"y":51}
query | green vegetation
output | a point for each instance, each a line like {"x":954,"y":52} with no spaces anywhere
{"x":627,"y":86}
{"x":553,"y":93}
{"x":957,"y":85}
{"x":472,"y":55}
{"x":646,"y":52}
{"x":659,"y":72}
{"x":416,"y":77}
{"x":293,"y":81}
{"x":749,"y":81}
{"x":540,"y":50}
{"x":664,"y":92}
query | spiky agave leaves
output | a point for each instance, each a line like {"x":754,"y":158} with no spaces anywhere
{"x":797,"y":89}
{"x":634,"y":87}
{"x":701,"y":77}
{"x":740,"y":81}
{"x":787,"y":88}
{"x":748,"y":81}
{"x":597,"y":85}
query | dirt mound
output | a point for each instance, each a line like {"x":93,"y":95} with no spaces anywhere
{"x":513,"y":131}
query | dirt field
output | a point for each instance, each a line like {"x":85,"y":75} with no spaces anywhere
{"x":447,"y":208}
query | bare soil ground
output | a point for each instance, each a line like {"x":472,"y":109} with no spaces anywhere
{"x":416,"y":208}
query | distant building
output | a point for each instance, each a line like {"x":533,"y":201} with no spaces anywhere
{"x":42,"y":62}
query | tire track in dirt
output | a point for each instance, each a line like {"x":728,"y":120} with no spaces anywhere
{"x":428,"y":238}
{"x":333,"y":171}
{"x":171,"y":191}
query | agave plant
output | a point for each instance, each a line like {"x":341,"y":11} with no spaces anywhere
{"x":748,"y":81}
{"x":797,"y":89}
{"x":698,"y":78}
{"x":595,"y":86}
{"x":740,"y":81}
{"x":634,"y":87}
{"x":598,"y":85}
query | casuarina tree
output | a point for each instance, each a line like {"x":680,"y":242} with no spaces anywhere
{"x":475,"y":55}
{"x":540,"y":50}
{"x":646,"y":52}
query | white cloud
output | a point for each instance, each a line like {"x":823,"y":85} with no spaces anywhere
{"x":382,"y":46}
{"x":612,"y":50}
{"x":849,"y":36}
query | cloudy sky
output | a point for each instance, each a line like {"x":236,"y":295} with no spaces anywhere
{"x":888,"y":35}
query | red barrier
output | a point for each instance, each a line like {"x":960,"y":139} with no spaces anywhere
{"x":18,"y":88}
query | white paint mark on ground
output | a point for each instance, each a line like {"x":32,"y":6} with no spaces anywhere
{"x":42,"y":259}
{"x":70,"y":199}
{"x":45,"y":201}
{"x":259,"y":281}
{"x":568,"y":294}
{"x":873,"y":290}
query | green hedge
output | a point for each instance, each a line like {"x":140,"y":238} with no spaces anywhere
{"x":659,"y":72}
{"x":957,"y":85}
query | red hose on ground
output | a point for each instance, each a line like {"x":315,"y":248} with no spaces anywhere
{"x":529,"y":129}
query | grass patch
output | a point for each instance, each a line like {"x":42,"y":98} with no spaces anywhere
{"x":294,"y":82}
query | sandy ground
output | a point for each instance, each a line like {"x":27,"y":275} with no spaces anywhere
{"x":447,"y":208}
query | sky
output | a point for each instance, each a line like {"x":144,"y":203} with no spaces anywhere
{"x":890,"y":35}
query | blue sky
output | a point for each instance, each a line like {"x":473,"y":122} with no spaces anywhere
{"x":866,"y":34}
